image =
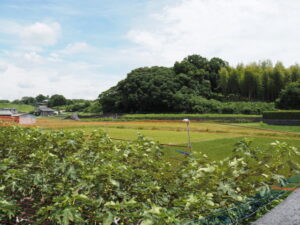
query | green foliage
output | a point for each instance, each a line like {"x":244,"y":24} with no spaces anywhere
{"x":246,"y":107}
{"x":255,"y":81}
{"x":41,"y":98}
{"x":284,"y":115}
{"x":94,"y":107}
{"x":161,"y":89}
{"x":28,"y":100}
{"x":4,"y":101}
{"x":196,"y":84}
{"x":64,"y":177}
{"x":290,"y":97}
{"x":78,"y":106}
{"x":194,"y":104}
{"x":144,"y":89}
{"x":57,"y":100}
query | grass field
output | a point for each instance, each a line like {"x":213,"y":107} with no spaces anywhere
{"x":20,"y":108}
{"x":214,"y":139}
{"x":295,"y":129}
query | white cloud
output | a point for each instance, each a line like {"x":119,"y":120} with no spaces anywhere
{"x":77,"y":47}
{"x":33,"y":57}
{"x":235,"y":30}
{"x":40,"y":34}
{"x":3,"y":67}
{"x":32,"y":36}
{"x":65,"y":78}
{"x":28,"y":73}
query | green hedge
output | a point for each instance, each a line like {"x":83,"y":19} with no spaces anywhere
{"x":283,"y":115}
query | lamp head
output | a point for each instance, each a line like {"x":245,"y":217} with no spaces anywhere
{"x":186,"y":120}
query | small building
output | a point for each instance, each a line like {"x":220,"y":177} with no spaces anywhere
{"x":6,"y":116}
{"x":12,"y":110}
{"x":4,"y":112}
{"x":25,"y":119}
{"x":21,"y":118}
{"x":45,"y":111}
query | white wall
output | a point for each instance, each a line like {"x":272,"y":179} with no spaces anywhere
{"x":27,"y":119}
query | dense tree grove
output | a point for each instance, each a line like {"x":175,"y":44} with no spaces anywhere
{"x":197,"y":84}
{"x":256,"y":81}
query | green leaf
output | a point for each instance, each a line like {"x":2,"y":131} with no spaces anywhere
{"x":109,"y":219}
{"x":147,"y":222}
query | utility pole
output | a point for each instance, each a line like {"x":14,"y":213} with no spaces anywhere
{"x":187,"y":121}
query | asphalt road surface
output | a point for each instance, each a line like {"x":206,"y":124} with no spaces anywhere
{"x":286,"y":213}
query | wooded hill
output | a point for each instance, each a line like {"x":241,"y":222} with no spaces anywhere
{"x":199,"y":85}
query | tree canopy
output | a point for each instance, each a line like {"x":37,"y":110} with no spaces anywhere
{"x":162,"y":89}
{"x":290,"y":97}
{"x":57,"y":100}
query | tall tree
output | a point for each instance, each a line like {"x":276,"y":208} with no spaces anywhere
{"x":28,"y":100}
{"x":234,"y":82}
{"x":223,"y":81}
{"x":215,"y":65}
{"x":277,"y":80}
{"x":294,"y":72}
{"x":57,"y":100}
{"x":40,"y":98}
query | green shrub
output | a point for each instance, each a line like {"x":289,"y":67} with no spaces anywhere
{"x":289,"y":97}
{"x":283,"y":115}
{"x":250,"y":108}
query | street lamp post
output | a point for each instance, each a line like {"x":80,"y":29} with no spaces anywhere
{"x":187,"y":121}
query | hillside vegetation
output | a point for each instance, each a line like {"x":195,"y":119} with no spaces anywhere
{"x":20,"y":108}
{"x":199,"y":85}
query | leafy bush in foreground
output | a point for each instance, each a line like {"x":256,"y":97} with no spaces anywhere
{"x":62,"y":177}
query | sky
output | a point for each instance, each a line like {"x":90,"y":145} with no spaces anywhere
{"x":80,"y":48}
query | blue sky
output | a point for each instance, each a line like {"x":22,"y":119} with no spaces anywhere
{"x":81,"y":48}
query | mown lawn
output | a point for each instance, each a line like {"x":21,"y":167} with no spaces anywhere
{"x":221,"y":148}
{"x":295,"y":129}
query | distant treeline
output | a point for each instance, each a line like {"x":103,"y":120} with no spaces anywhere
{"x":59,"y":102}
{"x":199,"y":85}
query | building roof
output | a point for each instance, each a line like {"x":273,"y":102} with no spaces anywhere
{"x":22,"y":114}
{"x":9,"y":109}
{"x":45,"y":109}
{"x":5,"y":113}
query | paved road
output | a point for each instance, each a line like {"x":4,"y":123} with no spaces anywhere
{"x":286,"y":213}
